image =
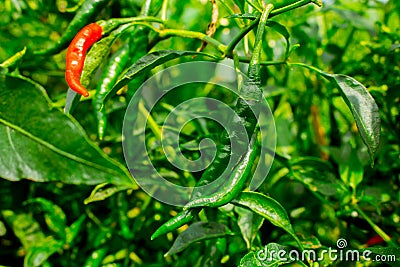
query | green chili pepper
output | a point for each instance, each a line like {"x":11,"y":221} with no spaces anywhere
{"x":140,"y":40}
{"x":212,"y":173}
{"x":246,"y":108}
{"x":96,"y":257}
{"x":86,"y":13}
{"x":139,"y":37}
{"x":247,"y":104}
{"x":234,"y":185}
{"x":180,"y":219}
{"x":13,"y":59}
{"x":114,"y":68}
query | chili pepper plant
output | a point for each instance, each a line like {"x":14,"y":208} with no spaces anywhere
{"x":199,"y":133}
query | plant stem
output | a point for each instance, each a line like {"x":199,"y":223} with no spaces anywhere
{"x":195,"y":35}
{"x":152,"y":123}
{"x":293,"y":6}
{"x":255,"y":59}
{"x":239,"y":74}
{"x":273,"y":13}
{"x":240,"y":36}
{"x":307,"y":67}
{"x":376,"y":228}
{"x":265,"y":63}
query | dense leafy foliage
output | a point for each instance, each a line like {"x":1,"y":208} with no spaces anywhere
{"x":329,"y":73}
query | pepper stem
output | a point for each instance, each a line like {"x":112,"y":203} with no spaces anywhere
{"x":254,"y":66}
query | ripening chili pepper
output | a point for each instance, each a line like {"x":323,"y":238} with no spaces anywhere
{"x":76,"y":54}
{"x":375,"y":240}
{"x":85,"y":38}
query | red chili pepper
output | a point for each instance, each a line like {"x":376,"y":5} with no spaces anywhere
{"x":375,"y":240}
{"x":76,"y":54}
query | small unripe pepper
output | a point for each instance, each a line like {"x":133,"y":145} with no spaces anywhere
{"x":76,"y":54}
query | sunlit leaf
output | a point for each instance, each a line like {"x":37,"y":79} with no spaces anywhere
{"x":268,"y":208}
{"x":43,"y":144}
{"x":73,"y":230}
{"x":38,"y":246}
{"x":54,"y":216}
{"x":363,"y":108}
{"x":350,"y":168}
{"x":361,"y":104}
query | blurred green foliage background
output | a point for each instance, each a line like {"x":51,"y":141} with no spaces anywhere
{"x":47,"y":224}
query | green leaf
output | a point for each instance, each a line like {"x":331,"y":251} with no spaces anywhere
{"x":36,"y":256}
{"x":250,"y":260}
{"x":268,"y":208}
{"x":196,"y":232}
{"x":73,"y":230}
{"x":317,"y":175}
{"x":249,"y":224}
{"x":362,"y":106}
{"x":358,"y":21}
{"x":213,"y":252}
{"x":283,"y":31}
{"x":54,"y":216}
{"x":3,"y":229}
{"x":24,"y":227}
{"x":38,"y":246}
{"x":43,"y":144}
{"x":350,"y":168}
{"x":146,"y":63}
{"x":240,"y":4}
{"x":96,"y":257}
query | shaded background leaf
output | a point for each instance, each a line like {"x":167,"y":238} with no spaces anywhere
{"x":196,"y":232}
